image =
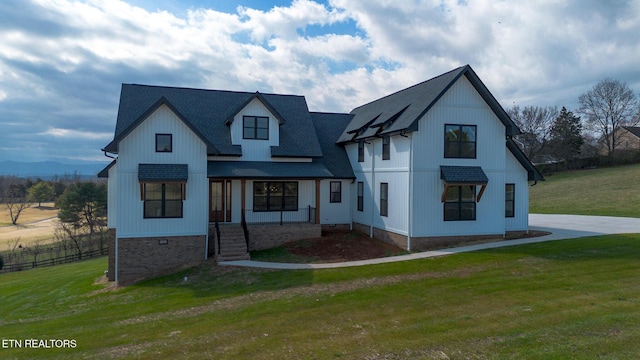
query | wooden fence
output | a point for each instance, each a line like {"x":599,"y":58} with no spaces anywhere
{"x":11,"y":267}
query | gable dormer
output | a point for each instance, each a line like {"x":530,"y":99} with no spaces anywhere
{"x":255,"y":126}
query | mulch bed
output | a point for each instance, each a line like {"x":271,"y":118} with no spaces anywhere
{"x":337,"y":246}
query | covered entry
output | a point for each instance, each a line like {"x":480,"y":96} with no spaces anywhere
{"x":220,"y":196}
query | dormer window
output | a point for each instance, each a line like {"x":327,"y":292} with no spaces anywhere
{"x":255,"y":127}
{"x":164,"y":143}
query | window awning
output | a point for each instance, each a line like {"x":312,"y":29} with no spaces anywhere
{"x":461,"y":176}
{"x":163,"y":172}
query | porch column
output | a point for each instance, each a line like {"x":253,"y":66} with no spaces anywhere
{"x":242,"y":193}
{"x":317,"y":201}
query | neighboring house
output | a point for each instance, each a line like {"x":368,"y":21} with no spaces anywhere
{"x":429,"y":163}
{"x":627,"y":138}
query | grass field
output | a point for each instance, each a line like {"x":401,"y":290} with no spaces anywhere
{"x":575,"y":299}
{"x":34,"y":224}
{"x":603,"y":191}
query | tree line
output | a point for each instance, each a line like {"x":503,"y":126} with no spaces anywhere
{"x":82,"y":212}
{"x":594,"y":130}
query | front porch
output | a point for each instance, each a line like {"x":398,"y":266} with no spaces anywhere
{"x":273,"y":213}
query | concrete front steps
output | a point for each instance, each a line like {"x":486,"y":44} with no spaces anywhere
{"x":232,"y":243}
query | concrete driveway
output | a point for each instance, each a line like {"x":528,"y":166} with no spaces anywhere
{"x":560,"y":227}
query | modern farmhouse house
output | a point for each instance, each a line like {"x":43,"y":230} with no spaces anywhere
{"x":202,"y":173}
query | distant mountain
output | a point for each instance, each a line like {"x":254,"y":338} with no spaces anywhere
{"x":48,"y":169}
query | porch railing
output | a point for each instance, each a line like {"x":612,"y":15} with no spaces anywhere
{"x":306,"y":214}
{"x":245,"y":229}
{"x":217,"y":229}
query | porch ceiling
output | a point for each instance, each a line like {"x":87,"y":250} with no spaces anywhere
{"x":261,"y":170}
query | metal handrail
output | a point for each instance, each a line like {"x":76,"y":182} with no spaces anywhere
{"x":217,"y":228}
{"x":245,"y":229}
{"x":305,"y":214}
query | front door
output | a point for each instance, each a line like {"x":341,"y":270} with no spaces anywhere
{"x":220,"y":200}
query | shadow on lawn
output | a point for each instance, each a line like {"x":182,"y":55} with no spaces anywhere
{"x":209,"y":280}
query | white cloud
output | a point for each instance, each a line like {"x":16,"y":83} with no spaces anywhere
{"x":62,"y":61}
{"x":73,"y":134}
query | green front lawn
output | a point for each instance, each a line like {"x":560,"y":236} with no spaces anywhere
{"x":575,"y":299}
{"x":605,"y":191}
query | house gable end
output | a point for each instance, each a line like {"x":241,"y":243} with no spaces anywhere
{"x":532,"y":172}
{"x":264,"y":102}
{"x":112,"y":147}
{"x":416,"y":101}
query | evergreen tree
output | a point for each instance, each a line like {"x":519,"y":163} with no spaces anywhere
{"x":41,"y":192}
{"x":566,"y":136}
{"x":83,"y":210}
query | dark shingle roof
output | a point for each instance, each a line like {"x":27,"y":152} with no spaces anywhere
{"x":532,"y":172}
{"x":635,"y":130}
{"x":329,"y":126}
{"x":163,"y":172}
{"x":206,"y":112}
{"x":104,"y":173}
{"x":463,"y":175}
{"x":400,"y":111}
{"x":267,"y":170}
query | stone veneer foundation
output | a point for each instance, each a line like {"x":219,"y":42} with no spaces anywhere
{"x":144,"y":258}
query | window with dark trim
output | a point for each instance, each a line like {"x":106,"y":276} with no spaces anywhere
{"x":384,"y":199}
{"x":275,"y":196}
{"x":360,"y":196}
{"x":460,"y":203}
{"x":164,"y":143}
{"x":335,"y":191}
{"x":509,"y":200}
{"x":361,"y":151}
{"x":163,"y":200}
{"x":460,"y":141}
{"x":255,"y":127}
{"x":386,"y":148}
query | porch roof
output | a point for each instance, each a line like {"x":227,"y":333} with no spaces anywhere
{"x":163,"y":172}
{"x":264,"y":170}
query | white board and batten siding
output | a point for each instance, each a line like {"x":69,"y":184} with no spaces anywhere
{"x":255,"y":150}
{"x":112,"y":197}
{"x":372,"y":172}
{"x":461,"y":105}
{"x":515,"y":174}
{"x":139,"y":148}
{"x":337,"y":212}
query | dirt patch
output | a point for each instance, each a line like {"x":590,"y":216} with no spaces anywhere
{"x":337,"y":246}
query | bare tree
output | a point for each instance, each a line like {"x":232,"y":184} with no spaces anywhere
{"x":35,"y":249}
{"x":15,"y":199}
{"x":535,"y":123}
{"x":77,"y":239}
{"x":12,"y":246}
{"x":610,"y":105}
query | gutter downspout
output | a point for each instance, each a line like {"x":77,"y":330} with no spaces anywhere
{"x":410,"y":220}
{"x":116,"y":245}
{"x":116,"y":261}
{"x":373,"y":186}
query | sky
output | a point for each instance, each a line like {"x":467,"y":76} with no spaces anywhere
{"x":62,"y":62}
